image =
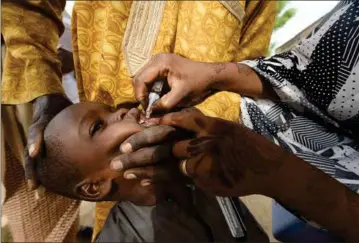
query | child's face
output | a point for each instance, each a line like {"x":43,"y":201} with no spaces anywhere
{"x":91,"y":135}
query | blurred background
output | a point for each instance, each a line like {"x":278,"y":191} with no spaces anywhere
{"x":292,"y":17}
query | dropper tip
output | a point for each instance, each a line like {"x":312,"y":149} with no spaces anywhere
{"x":148,"y":112}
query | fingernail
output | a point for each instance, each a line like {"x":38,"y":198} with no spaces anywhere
{"x":130,"y":176}
{"x":164,"y":100}
{"x":145,"y":183}
{"x":31,"y":184}
{"x":40,"y":192}
{"x":117,"y":165}
{"x":126,"y":148}
{"x":31,"y":149}
{"x":37,"y":195}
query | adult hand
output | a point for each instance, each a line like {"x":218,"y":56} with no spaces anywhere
{"x":225,"y":158}
{"x":143,"y":153}
{"x":67,"y":60}
{"x":44,"y":109}
{"x":143,"y":150}
{"x":190,"y":81}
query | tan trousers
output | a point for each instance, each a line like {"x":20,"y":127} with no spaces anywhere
{"x":50,"y":218}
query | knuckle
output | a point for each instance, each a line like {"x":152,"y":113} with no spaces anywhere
{"x":136,"y":140}
{"x":165,"y":106}
{"x":132,"y":113}
{"x":166,"y":129}
{"x":140,"y":173}
{"x":147,"y":173}
{"x":125,"y":159}
{"x":34,"y":132}
{"x":177,"y":118}
{"x":135,"y":80}
{"x":148,"y":136}
{"x":146,"y":155}
{"x":156,"y":154}
{"x":141,"y":157}
{"x":164,"y":58}
{"x":139,"y":96}
{"x":43,"y":123}
{"x":138,"y":79}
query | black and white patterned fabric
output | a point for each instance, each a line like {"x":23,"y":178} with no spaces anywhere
{"x":317,"y":82}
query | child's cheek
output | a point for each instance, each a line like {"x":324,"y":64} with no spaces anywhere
{"x":115,"y":134}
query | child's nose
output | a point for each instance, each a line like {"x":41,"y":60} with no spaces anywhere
{"x":117,"y":115}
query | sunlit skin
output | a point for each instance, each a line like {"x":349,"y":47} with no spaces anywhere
{"x":91,"y":135}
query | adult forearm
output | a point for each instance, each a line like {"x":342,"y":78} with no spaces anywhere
{"x":296,"y":183}
{"x":317,"y":197}
{"x":241,"y":79}
{"x":285,"y":177}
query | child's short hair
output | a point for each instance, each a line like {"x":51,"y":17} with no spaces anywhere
{"x":54,"y":170}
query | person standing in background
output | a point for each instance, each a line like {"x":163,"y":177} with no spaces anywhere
{"x":112,"y":41}
{"x":31,"y":216}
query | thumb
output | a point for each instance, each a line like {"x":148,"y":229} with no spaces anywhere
{"x":180,"y":151}
{"x":35,"y":138}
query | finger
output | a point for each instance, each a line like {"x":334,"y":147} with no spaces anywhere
{"x":143,"y":79}
{"x":188,"y":119}
{"x":178,"y":92}
{"x":133,"y":115}
{"x":142,"y":157}
{"x":153,"y":173}
{"x":30,"y":172}
{"x":191,"y":148}
{"x":196,"y":167}
{"x":179,"y":149}
{"x":35,"y":138}
{"x":149,"y":136}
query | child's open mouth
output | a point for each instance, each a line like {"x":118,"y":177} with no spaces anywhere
{"x":148,"y":122}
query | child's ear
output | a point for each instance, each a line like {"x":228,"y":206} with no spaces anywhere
{"x":93,"y":191}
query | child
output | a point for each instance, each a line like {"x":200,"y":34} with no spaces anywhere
{"x":81,"y":141}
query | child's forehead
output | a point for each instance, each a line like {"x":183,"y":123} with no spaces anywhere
{"x":86,"y":106}
{"x":71,"y":117}
{"x":77,"y":112}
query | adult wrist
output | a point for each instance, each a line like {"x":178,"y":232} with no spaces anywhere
{"x":220,"y":73}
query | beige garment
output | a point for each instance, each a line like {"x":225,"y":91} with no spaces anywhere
{"x":51,"y":218}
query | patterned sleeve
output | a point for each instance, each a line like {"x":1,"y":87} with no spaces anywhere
{"x":285,"y":74}
{"x":320,"y":74}
{"x":31,"y":31}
